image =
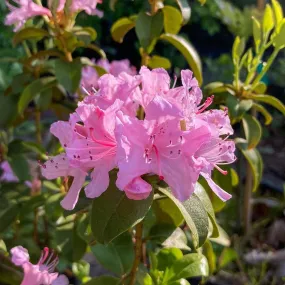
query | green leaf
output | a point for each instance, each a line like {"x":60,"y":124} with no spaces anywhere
{"x":210,"y":255}
{"x":268,"y":22}
{"x":223,"y":238}
{"x":81,"y":269}
{"x":30,"y":33}
{"x":257,"y":34}
{"x":33,"y":89}
{"x":8,"y":109}
{"x":188,"y":51}
{"x":237,"y":108}
{"x":277,"y":12}
{"x":260,"y":88}
{"x":228,"y":255}
{"x":270,"y":100}
{"x":117,"y":256}
{"x":159,"y":61}
{"x":113,"y":213}
{"x":148,"y":29}
{"x":167,"y":212}
{"x":252,"y":130}
{"x":180,"y":282}
{"x":195,"y":216}
{"x":167,"y":256}
{"x":143,"y":278}
{"x":259,"y":108}
{"x":254,"y":159}
{"x":121,"y":27}
{"x":68,"y":74}
{"x":20,"y":166}
{"x":238,"y":49}
{"x":279,"y":39}
{"x":204,"y":198}
{"x":172,"y":19}
{"x":8,"y":216}
{"x":44,"y":99}
{"x":191,"y":265}
{"x":85,"y":34}
{"x":177,"y":239}
{"x":103,"y":280}
{"x":217,"y":87}
{"x":79,"y":245}
{"x":185,"y":10}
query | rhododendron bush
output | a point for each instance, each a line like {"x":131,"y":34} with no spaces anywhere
{"x":127,"y":164}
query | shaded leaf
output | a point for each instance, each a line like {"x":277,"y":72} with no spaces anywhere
{"x":210,"y":255}
{"x":20,"y":166}
{"x":177,"y":239}
{"x":103,"y":280}
{"x":185,"y":10}
{"x":228,"y":255}
{"x":8,"y":216}
{"x":113,"y":213}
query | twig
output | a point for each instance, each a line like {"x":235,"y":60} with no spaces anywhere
{"x":138,"y":252}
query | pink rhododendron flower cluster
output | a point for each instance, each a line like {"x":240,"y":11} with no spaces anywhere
{"x":90,"y":76}
{"x":178,"y":139}
{"x":27,"y":9}
{"x":41,"y":273}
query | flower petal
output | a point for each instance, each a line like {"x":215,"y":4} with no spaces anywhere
{"x":138,"y":189}
{"x":20,"y":255}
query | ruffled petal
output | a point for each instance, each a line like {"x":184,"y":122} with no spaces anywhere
{"x":138,"y":189}
{"x":20,"y":255}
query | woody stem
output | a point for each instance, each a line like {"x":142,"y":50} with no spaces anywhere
{"x":138,"y":252}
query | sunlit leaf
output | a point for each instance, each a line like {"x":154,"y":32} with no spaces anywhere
{"x":252,"y":130}
{"x":188,"y":51}
{"x":121,"y":27}
{"x":259,"y":108}
{"x":185,"y":10}
{"x":172,"y":19}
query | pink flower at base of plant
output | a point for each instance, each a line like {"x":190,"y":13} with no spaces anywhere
{"x":41,"y":273}
{"x":26,"y":10}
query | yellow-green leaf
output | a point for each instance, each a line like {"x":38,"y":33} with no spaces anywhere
{"x":28,"y":34}
{"x":159,"y":61}
{"x":256,"y":33}
{"x":121,"y":27}
{"x":279,"y":39}
{"x":277,"y":12}
{"x":172,"y":19}
{"x":268,"y":22}
{"x":259,"y":108}
{"x":188,"y":51}
{"x":185,"y":10}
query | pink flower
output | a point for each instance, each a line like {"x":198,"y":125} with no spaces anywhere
{"x":160,"y":147}
{"x":88,"y":146}
{"x":8,"y":174}
{"x":90,"y":76}
{"x":27,"y":9}
{"x":41,"y":273}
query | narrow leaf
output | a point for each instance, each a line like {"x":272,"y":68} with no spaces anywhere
{"x":121,"y":27}
{"x":252,"y":130}
{"x":30,"y":33}
{"x":188,"y":51}
{"x":259,"y":108}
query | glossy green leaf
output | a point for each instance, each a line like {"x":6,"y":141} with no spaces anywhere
{"x":167,"y":256}
{"x":121,"y":27}
{"x":188,"y":51}
{"x":143,"y":278}
{"x":159,"y":61}
{"x":260,"y":88}
{"x":30,"y":33}
{"x":237,"y":108}
{"x":148,"y":29}
{"x":228,"y":255}
{"x":103,"y":280}
{"x":33,"y":89}
{"x":259,"y":108}
{"x":279,"y":39}
{"x":254,"y":159}
{"x":8,"y":109}
{"x":204,"y":198}
{"x":210,"y":255}
{"x":177,"y":239}
{"x":68,"y":74}
{"x":191,"y":265}
{"x":185,"y":10}
{"x":268,"y":20}
{"x":270,"y":100}
{"x":20,"y":166}
{"x":117,"y":256}
{"x":277,"y":12}
{"x":113,"y":213}
{"x":256,"y":33}
{"x":195,"y":216}
{"x":252,"y":130}
{"x":172,"y":19}
{"x":82,"y":32}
